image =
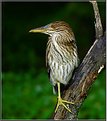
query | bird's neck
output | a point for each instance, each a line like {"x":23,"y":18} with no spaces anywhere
{"x":62,"y":38}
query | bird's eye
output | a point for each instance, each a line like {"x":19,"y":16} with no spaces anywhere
{"x":50,"y":29}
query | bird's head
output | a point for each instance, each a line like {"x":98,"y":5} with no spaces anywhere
{"x":52,"y":28}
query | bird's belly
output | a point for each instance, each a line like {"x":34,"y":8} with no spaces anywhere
{"x":61,"y":73}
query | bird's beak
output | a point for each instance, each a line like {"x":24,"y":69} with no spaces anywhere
{"x":41,"y":30}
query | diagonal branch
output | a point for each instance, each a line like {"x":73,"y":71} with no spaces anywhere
{"x":86,"y":73}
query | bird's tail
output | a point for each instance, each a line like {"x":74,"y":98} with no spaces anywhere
{"x":54,"y":90}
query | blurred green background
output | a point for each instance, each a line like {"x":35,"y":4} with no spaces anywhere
{"x":27,"y":92}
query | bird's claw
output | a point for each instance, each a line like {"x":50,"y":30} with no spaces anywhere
{"x":61,"y":102}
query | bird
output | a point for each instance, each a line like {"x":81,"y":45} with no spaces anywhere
{"x":61,"y":56}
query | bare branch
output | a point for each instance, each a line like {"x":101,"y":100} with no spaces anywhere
{"x":98,"y":24}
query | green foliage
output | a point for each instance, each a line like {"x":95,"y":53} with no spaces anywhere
{"x":27,"y":96}
{"x":27,"y":92}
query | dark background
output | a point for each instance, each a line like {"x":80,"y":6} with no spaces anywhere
{"x":27,"y":92}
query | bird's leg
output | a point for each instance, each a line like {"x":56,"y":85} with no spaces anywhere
{"x":60,"y":101}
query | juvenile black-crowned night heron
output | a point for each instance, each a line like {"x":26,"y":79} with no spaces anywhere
{"x":61,"y":55}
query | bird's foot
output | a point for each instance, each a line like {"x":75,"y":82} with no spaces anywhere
{"x":62,"y":102}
